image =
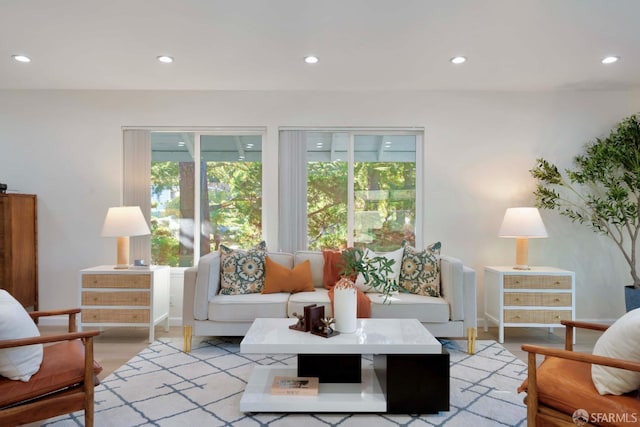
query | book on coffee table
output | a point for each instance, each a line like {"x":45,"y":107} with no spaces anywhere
{"x":295,"y":386}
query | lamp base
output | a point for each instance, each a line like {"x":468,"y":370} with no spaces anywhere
{"x":522,"y":253}
{"x":123,"y":253}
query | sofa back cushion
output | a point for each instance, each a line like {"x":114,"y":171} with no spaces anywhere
{"x":283,"y":258}
{"x":317,"y":263}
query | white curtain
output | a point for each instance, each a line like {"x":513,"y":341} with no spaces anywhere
{"x":137,"y":185}
{"x":292,"y":159}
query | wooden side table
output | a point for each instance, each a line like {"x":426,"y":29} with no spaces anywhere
{"x":541,"y":296}
{"x":133,"y":297}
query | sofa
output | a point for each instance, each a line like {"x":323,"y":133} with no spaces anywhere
{"x":206,"y":312}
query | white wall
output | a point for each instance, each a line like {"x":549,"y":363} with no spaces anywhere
{"x":65,"y":146}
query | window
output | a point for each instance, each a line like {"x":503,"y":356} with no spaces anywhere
{"x":361,"y":188}
{"x":211,"y":182}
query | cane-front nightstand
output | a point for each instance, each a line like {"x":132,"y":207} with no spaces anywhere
{"x":132,"y":297}
{"x":541,"y":296}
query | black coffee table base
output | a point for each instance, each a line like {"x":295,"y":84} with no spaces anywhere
{"x":331,"y":368}
{"x":411,"y":383}
{"x":414,"y":383}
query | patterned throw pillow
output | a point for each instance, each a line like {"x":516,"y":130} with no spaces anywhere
{"x":420,"y":273}
{"x":242,"y":271}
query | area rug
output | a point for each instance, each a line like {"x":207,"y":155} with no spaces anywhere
{"x":162,"y":386}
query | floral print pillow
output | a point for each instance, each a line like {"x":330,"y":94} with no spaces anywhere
{"x":420,"y":273}
{"x":242,"y":271}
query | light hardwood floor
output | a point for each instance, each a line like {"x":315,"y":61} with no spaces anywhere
{"x":115,"y":346}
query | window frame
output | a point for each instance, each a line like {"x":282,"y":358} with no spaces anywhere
{"x":356,"y":131}
{"x":131,"y":193}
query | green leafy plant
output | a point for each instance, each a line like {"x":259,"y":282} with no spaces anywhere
{"x":376,"y":271}
{"x":603,"y":191}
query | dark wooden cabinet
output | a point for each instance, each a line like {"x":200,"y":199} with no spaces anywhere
{"x":19,"y":247}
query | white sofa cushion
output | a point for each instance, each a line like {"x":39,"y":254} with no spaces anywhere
{"x":409,"y":306}
{"x":247,"y":307}
{"x":298,"y":300}
{"x":283,"y":258}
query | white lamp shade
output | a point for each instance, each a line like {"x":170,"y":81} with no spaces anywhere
{"x":522,"y":222}
{"x":125,"y":221}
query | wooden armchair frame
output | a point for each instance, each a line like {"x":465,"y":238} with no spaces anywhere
{"x":67,"y":400}
{"x":538,"y":413}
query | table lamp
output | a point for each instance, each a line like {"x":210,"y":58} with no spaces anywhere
{"x":122,"y":222}
{"x":522,"y":224}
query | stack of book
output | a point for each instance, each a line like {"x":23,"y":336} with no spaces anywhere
{"x":295,"y":386}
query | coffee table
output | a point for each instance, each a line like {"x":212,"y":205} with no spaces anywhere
{"x":410,"y":373}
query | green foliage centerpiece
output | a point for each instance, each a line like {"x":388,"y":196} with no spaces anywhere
{"x":603,"y":191}
{"x":377,"y":271}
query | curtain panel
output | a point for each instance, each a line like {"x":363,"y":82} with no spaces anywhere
{"x":292,"y":159}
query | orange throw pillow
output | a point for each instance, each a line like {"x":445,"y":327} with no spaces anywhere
{"x":332,"y":268}
{"x":279,"y":278}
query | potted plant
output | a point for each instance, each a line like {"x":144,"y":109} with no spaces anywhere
{"x":602,"y":192}
{"x":377,"y":271}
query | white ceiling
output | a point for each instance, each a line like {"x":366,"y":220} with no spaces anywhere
{"x":362,"y":44}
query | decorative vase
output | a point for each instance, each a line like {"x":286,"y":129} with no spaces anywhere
{"x":345,"y":306}
{"x":631,"y":298}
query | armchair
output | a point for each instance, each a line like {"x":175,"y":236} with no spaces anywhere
{"x":64,"y":383}
{"x":562,"y":385}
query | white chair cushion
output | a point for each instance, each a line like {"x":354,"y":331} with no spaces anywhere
{"x":620,"y":341}
{"x":18,"y":363}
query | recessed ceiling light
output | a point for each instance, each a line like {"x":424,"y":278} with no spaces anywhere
{"x":311,"y":59}
{"x":458,"y":59}
{"x":180,"y":143}
{"x":610,"y":59}
{"x":165,"y":59}
{"x":21,"y":58}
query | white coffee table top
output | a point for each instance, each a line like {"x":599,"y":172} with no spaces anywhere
{"x":373,"y":336}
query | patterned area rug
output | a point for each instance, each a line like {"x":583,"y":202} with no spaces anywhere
{"x":162,"y":386}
